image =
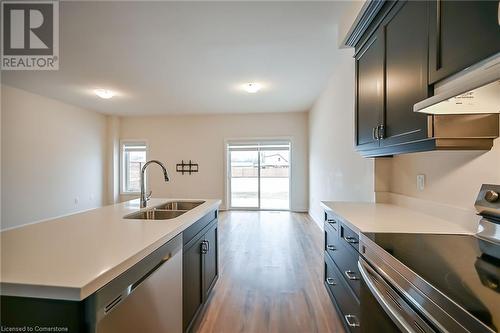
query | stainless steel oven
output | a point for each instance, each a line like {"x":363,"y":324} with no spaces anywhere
{"x":428,"y":283}
{"x":415,"y":282}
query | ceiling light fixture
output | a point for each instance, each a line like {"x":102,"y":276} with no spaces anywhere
{"x":252,"y":87}
{"x":104,"y":93}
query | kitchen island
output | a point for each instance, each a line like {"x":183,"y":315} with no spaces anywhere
{"x":68,"y":259}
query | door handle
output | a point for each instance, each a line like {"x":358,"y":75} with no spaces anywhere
{"x":204,"y":247}
{"x":498,"y":13}
{"x":374,"y":134}
{"x":381,"y":132}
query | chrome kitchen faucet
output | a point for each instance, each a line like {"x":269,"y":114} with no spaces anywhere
{"x":144,"y":197}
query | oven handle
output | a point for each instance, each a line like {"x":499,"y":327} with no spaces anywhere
{"x":366,"y":273}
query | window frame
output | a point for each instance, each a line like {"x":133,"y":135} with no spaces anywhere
{"x":123,"y":143}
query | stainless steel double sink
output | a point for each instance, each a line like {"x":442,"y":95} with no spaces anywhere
{"x":165,"y":211}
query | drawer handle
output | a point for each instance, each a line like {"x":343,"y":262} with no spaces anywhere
{"x":331,"y":247}
{"x":351,"y":275}
{"x":331,"y":221}
{"x":330,"y":281}
{"x":350,"y":240}
{"x":351,"y":320}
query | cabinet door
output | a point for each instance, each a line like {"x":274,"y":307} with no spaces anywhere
{"x":369,"y":91}
{"x":405,"y":30}
{"x":461,"y":34}
{"x":192,"y":292}
{"x":210,"y":260}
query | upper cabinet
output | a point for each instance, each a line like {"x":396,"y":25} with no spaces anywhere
{"x":406,"y":81}
{"x":369,"y":92}
{"x":394,"y":70}
{"x":461,"y":34}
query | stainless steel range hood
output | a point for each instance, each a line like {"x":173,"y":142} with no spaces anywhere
{"x":475,"y":90}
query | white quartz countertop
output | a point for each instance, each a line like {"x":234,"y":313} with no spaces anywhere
{"x":71,"y":257}
{"x":380,"y":217}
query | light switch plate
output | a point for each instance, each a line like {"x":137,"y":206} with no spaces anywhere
{"x":420,"y":182}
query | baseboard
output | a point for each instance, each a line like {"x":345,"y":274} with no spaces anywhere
{"x":318,"y":223}
{"x":299,"y":211}
{"x":302,"y":211}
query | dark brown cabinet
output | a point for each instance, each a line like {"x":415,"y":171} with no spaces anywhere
{"x":192,"y":293}
{"x":406,"y":80}
{"x":199,"y":267}
{"x":369,"y":92}
{"x":394,"y":61}
{"x":461,"y":34}
{"x":391,"y":76}
{"x":341,"y":273}
{"x":210,"y":252}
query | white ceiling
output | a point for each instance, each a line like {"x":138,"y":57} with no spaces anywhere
{"x":189,"y":57}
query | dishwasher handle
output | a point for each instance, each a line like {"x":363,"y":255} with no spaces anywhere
{"x":154,"y":269}
{"x":132,"y":286}
{"x":106,"y":299}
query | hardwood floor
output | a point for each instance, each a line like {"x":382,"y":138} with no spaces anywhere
{"x":271,"y":266}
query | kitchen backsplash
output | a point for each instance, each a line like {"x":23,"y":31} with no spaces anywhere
{"x":452,"y":178}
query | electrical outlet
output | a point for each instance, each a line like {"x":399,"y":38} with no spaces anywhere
{"x":420,"y":182}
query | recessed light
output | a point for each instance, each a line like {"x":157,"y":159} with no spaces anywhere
{"x":252,"y":87}
{"x":104,"y":93}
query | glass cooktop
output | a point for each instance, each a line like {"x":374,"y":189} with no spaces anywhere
{"x":454,"y":265}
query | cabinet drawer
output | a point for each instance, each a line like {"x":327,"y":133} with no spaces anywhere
{"x":346,"y":260}
{"x":332,"y":239}
{"x":349,"y":237}
{"x":331,"y":220}
{"x":346,"y":302}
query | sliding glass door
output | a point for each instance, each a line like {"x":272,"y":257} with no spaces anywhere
{"x":244,"y":180}
{"x":259,"y":175}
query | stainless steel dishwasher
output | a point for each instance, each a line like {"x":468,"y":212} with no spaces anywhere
{"x":145,"y":298}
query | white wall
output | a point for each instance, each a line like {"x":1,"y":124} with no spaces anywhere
{"x":336,"y":171}
{"x":201,"y":139}
{"x":51,"y":153}
{"x":453,"y":178}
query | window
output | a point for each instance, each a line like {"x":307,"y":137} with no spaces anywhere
{"x":133,"y":157}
